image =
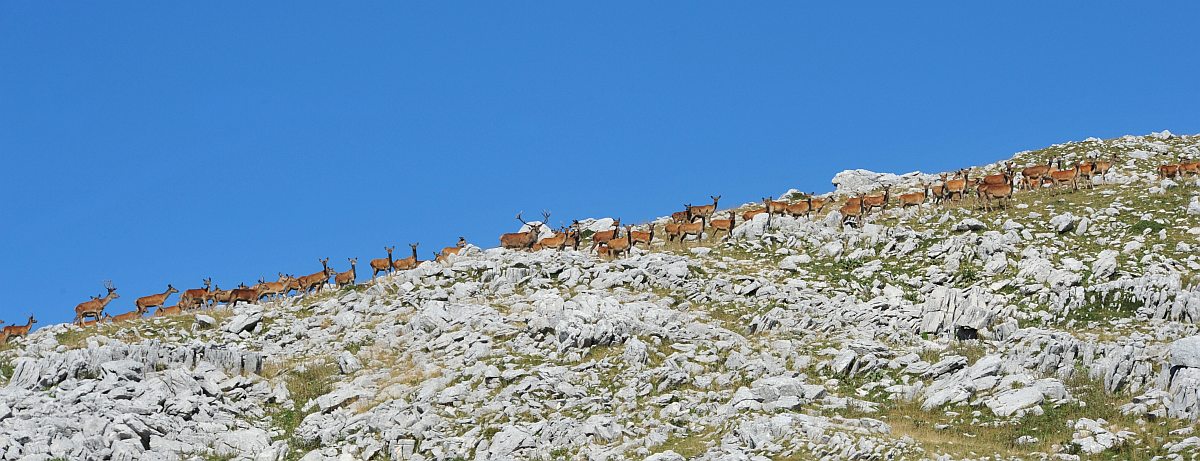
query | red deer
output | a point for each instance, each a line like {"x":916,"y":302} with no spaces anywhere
{"x":606,"y":235}
{"x":1004,"y":177}
{"x":276,"y":289}
{"x":915,"y":198}
{"x":1102,"y":166}
{"x":852,"y":210}
{"x":958,"y":185}
{"x":1063,"y":177}
{"x":197,"y":296}
{"x":16,"y":331}
{"x":382,"y":265}
{"x":681,"y":216}
{"x":1033,"y":177}
{"x":704,"y":212}
{"x":798,"y":209}
{"x":692,"y":228}
{"x":315,"y":280}
{"x":1086,"y":171}
{"x":774,"y":207}
{"x":1189,"y":168}
{"x":603,"y":251}
{"x":672,"y":230}
{"x":938,"y":191}
{"x":222,"y":296}
{"x":817,"y":204}
{"x":565,"y":236}
{"x":1001,"y":192}
{"x":249,"y":295}
{"x":345,"y":279}
{"x":462,"y":243}
{"x":523,"y":240}
{"x":642,"y":236}
{"x":1168,"y":171}
{"x":105,"y":318}
{"x":95,"y":306}
{"x":146,"y":302}
{"x":137,"y":313}
{"x":725,"y":225}
{"x":164,"y":311}
{"x":620,"y":245}
{"x":750,"y":214}
{"x":410,"y":262}
{"x":880,"y":201}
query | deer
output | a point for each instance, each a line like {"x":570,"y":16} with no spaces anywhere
{"x":1062,"y":177}
{"x":620,"y":245}
{"x":277,"y":288}
{"x":17,"y":331}
{"x":1001,"y":192}
{"x":958,"y":185}
{"x":672,"y":230}
{"x":410,"y":262}
{"x":692,"y":228}
{"x":774,"y":207}
{"x":642,"y":236}
{"x":454,"y":250}
{"x":1086,"y":171}
{"x":137,"y":313}
{"x":915,"y":198}
{"x":704,"y":212}
{"x":315,"y":280}
{"x":222,"y":296}
{"x":164,"y":311}
{"x":798,"y":209}
{"x":606,"y":235}
{"x":1102,"y":165}
{"x":523,"y":240}
{"x":1032,"y":177}
{"x":681,"y":216}
{"x":751,"y":213}
{"x":1002,"y":177}
{"x":249,"y":295}
{"x":197,"y":296}
{"x":852,"y":210}
{"x":345,"y":279}
{"x":603,"y":251}
{"x":558,"y":241}
{"x":95,"y":306}
{"x":725,"y":225}
{"x":1168,"y":171}
{"x":88,"y":323}
{"x":382,"y":265}
{"x":817,"y":204}
{"x":1189,"y":168}
{"x":146,"y":302}
{"x":938,"y":191}
{"x":880,"y":201}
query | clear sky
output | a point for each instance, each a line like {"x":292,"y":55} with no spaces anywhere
{"x":164,"y":142}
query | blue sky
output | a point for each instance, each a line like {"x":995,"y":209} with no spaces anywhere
{"x":163,"y":142}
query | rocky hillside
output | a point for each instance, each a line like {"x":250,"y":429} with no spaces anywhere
{"x":1064,"y":327}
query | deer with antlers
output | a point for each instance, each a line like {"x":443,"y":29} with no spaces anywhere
{"x":345,"y":279}
{"x":880,"y":201}
{"x":382,"y":265}
{"x":197,"y":297}
{"x":523,"y":240}
{"x":703,"y":212}
{"x":642,"y":236}
{"x":17,"y":331}
{"x":315,"y":280}
{"x":410,"y":262}
{"x":95,"y":306}
{"x":724,"y":225}
{"x":605,"y":235}
{"x":146,"y":302}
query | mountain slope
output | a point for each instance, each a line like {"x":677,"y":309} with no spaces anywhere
{"x":1064,"y":325}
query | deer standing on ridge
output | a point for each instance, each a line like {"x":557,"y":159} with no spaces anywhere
{"x":95,"y":306}
{"x":146,"y":302}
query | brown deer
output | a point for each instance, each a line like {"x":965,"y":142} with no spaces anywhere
{"x":382,"y":265}
{"x":880,"y":201}
{"x":1189,"y":168}
{"x":620,"y":245}
{"x":1033,"y":177}
{"x":1001,"y":192}
{"x":774,"y":207}
{"x":135,"y":314}
{"x":222,"y":296}
{"x":276,"y":289}
{"x":938,"y":191}
{"x":1002,"y":177}
{"x":345,"y":279}
{"x":146,"y":302}
{"x":1102,"y":165}
{"x":704,"y":212}
{"x":95,"y":306}
{"x":817,"y":204}
{"x":751,"y":213}
{"x":197,"y":296}
{"x":853,"y":210}
{"x":915,"y":198}
{"x":248,"y":295}
{"x":164,"y":311}
{"x":672,"y":230}
{"x":558,"y":241}
{"x":410,"y":262}
{"x":1086,"y":171}
{"x":446,"y":252}
{"x":523,"y":240}
{"x":1061,"y":177}
{"x":798,"y":209}
{"x":1168,"y":171}
{"x":606,"y":235}
{"x":724,"y":225}
{"x":102,"y":319}
{"x":681,"y":216}
{"x":692,"y":228}
{"x":17,"y":331}
{"x":315,"y":280}
{"x":603,"y":251}
{"x":642,"y":236}
{"x":958,"y":185}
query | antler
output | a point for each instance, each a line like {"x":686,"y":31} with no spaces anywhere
{"x":545,"y":217}
{"x":520,"y":219}
{"x":109,"y":285}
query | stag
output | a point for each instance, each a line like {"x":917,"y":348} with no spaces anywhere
{"x":524,"y":240}
{"x":94,"y":307}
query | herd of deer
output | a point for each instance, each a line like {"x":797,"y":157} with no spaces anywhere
{"x":612,"y":243}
